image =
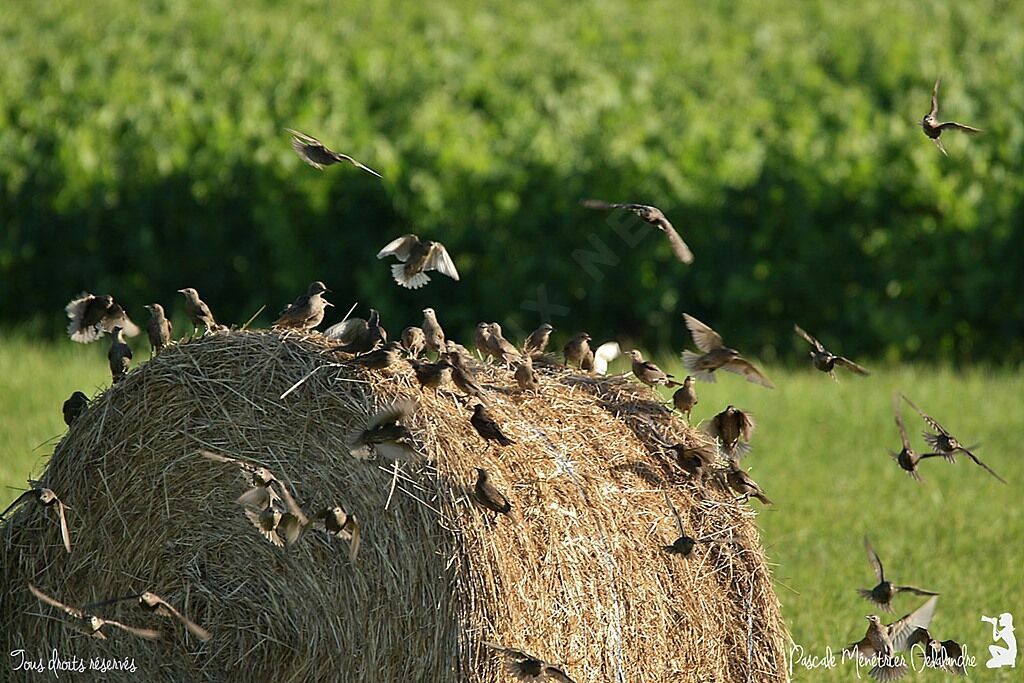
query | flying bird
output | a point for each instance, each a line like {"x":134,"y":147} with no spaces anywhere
{"x":73,"y":408}
{"x":947,"y":655}
{"x":153,"y":603}
{"x":197,"y":311}
{"x":159,"y":328}
{"x":91,"y":316}
{"x":340,"y":524}
{"x":825,"y":360}
{"x":119,"y":355}
{"x":385,"y":434}
{"x":649,"y":373}
{"x":685,"y":398}
{"x":487,"y":496}
{"x":946,"y":444}
{"x":907,"y":458}
{"x":931,"y":126}
{"x":307,"y":311}
{"x":416,"y":258}
{"x":717,"y":356}
{"x":882,"y":642}
{"x":486,"y":427}
{"x":314,"y":153}
{"x":526,"y":667}
{"x":47,"y":499}
{"x":729,"y":426}
{"x":90,"y":624}
{"x":885,"y":591}
{"x":693,"y":459}
{"x":654,"y":216}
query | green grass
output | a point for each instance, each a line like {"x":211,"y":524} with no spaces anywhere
{"x":819,"y":451}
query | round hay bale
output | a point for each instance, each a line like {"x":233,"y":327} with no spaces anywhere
{"x":577,"y":577}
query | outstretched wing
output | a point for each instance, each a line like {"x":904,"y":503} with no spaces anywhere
{"x":900,"y":631}
{"x":914,"y":590}
{"x":675,"y":513}
{"x":65,"y":533}
{"x":977,"y":461}
{"x":953,"y":125}
{"x":935,"y":98}
{"x":356,"y":163}
{"x":399,"y":247}
{"x":347,"y":330}
{"x":810,"y":340}
{"x":53,"y":602}
{"x":741,"y":366}
{"x":439,"y":260}
{"x":873,"y":558}
{"x":598,"y":204}
{"x":217,"y":457}
{"x":932,"y":422}
{"x":898,"y":415}
{"x":850,"y":365}
{"x":393,"y":413}
{"x":679,"y":247}
{"x":147,"y":633}
{"x":704,"y":337}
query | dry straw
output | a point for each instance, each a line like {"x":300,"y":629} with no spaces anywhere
{"x":578,"y":576}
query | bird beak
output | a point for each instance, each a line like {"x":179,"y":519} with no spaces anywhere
{"x":181,"y":291}
{"x":327,"y":303}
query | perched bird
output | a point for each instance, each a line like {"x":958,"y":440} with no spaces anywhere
{"x":649,"y":373}
{"x":357,"y":335}
{"x":313,"y":152}
{"x":740,"y":482}
{"x":931,"y":126}
{"x":378,"y":359}
{"x":685,"y":397}
{"x":197,"y":311}
{"x":90,"y":624}
{"x":119,"y":355}
{"x":74,"y":407}
{"x":417,"y":257}
{"x":907,"y":458}
{"x":385,"y":433}
{"x":654,"y":216}
{"x":729,"y":426}
{"x":153,"y":603}
{"x":946,"y":444}
{"x":526,"y":667}
{"x":684,"y":544}
{"x":577,"y":349}
{"x":159,"y":328}
{"x":462,"y":375}
{"x":717,"y":356}
{"x":431,"y":375}
{"x":537,"y":342}
{"x":602,"y":357}
{"x":482,"y":339}
{"x":307,"y":311}
{"x":882,"y":642}
{"x":340,"y":524}
{"x":433,"y":332}
{"x":486,"y":427}
{"x":91,"y":316}
{"x":46,"y":498}
{"x":947,"y":655}
{"x":693,"y":459}
{"x":524,"y":375}
{"x":500,"y":348}
{"x":485,"y":495}
{"x":414,"y":341}
{"x":825,"y":360}
{"x":885,"y":591}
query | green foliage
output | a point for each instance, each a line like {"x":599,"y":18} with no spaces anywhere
{"x":144,"y":151}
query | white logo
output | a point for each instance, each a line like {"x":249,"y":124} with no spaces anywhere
{"x":1002,"y":631}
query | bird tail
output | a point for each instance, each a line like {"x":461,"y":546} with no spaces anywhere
{"x":357,"y":447}
{"x":504,"y":440}
{"x":690,"y":362}
{"x":866,"y":594}
{"x":763,"y":498}
{"x":414,"y":281}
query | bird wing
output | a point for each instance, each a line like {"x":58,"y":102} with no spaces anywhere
{"x":850,"y":365}
{"x":439,"y":260}
{"x":810,"y":340}
{"x":259,"y":497}
{"x":166,"y":609}
{"x":604,"y":355}
{"x":977,"y":461}
{"x":510,"y":652}
{"x":357,"y":164}
{"x":18,"y":501}
{"x":953,"y":125}
{"x":932,"y":422}
{"x":217,"y":457}
{"x":290,"y":503}
{"x":901,"y":630}
{"x":679,"y":247}
{"x":347,"y":330}
{"x":935,"y":97}
{"x":863,"y":648}
{"x":300,"y":148}
{"x":355,"y":537}
{"x":65,"y":533}
{"x":920,"y":636}
{"x":898,"y":415}
{"x":147,"y":633}
{"x":938,"y":143}
{"x":704,"y":337}
{"x":303,"y":138}
{"x":742,"y":366}
{"x":598,"y":204}
{"x":393,"y":413}
{"x":914,"y":590}
{"x":556,"y":674}
{"x":399,"y":247}
{"x":873,"y":558}
{"x":53,"y":602}
{"x":747,"y":425}
{"x":118,"y":318}
{"x":675,"y":513}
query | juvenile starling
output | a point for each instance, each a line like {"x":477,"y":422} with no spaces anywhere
{"x":486,"y":427}
{"x":153,"y":603}
{"x":604,"y":355}
{"x":431,"y":375}
{"x":885,"y":591}
{"x":414,"y":341}
{"x":90,"y":624}
{"x":119,"y":355}
{"x":525,"y":377}
{"x":313,"y":152}
{"x":684,"y":544}
{"x":417,"y":257}
{"x":717,"y":356}
{"x":693,"y":459}
{"x":947,"y":655}
{"x":825,"y":360}
{"x":526,"y":667}
{"x":931,"y":126}
{"x":685,"y":397}
{"x":462,"y":375}
{"x":159,"y":328}
{"x":197,"y":311}
{"x":500,"y":348}
{"x":381,"y":358}
{"x":537,"y":342}
{"x":729,"y":426}
{"x":340,"y":524}
{"x":46,"y":498}
{"x":357,"y":335}
{"x":267,"y":521}
{"x":907,"y":458}
{"x":92,"y":316}
{"x":655,"y":217}
{"x":946,"y":444}
{"x":74,"y":406}
{"x":485,"y":495}
{"x":882,"y":642}
{"x":577,"y":349}
{"x":386,"y":434}
{"x":482,"y":340}
{"x":433,"y":332}
{"x":740,"y":482}
{"x":649,"y":373}
{"x":307,"y":311}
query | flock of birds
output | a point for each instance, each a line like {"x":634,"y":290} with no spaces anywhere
{"x":269,"y":505}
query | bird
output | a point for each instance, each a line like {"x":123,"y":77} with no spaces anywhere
{"x":197,"y":311}
{"x":385,"y":434}
{"x":693,"y":459}
{"x":433,"y":332}
{"x":907,"y":458}
{"x":946,"y":444}
{"x":947,"y":655}
{"x":340,"y":524}
{"x":882,"y":642}
{"x":729,"y":426}
{"x":378,"y":359}
{"x":654,"y":216}
{"x":486,"y":496}
{"x":649,"y":373}
{"x":500,"y":348}
{"x":717,"y":356}
{"x":46,"y":498}
{"x":90,"y":624}
{"x":684,"y":544}
{"x":740,"y":482}
{"x":931,"y":126}
{"x":526,"y":667}
{"x":431,"y":375}
{"x":481,"y":340}
{"x":153,"y":603}
{"x":267,"y":521}
{"x":119,"y":355}
{"x":577,"y":349}
{"x":462,"y":376}
{"x":825,"y":360}
{"x":159,"y":328}
{"x":537,"y":342}
{"x":486,"y":427}
{"x":603,"y":356}
{"x":73,"y":408}
{"x":307,"y":311}
{"x":416,"y":258}
{"x":525,"y":377}
{"x":314,"y":153}
{"x":685,"y":397}
{"x":414,"y":341}
{"x":357,"y":335}
{"x":91,"y":316}
{"x":885,"y":591}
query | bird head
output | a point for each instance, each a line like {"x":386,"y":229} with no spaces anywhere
{"x":688,"y":381}
{"x":189,"y":293}
{"x":429,"y":312}
{"x":636,"y":355}
{"x":873,"y":618}
{"x":317,"y":288}
{"x":155,"y":309}
{"x":546,"y":327}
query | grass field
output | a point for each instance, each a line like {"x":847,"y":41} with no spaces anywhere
{"x":819,"y":451}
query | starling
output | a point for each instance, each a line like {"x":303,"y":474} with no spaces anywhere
{"x":717,"y":356}
{"x":340,"y":524}
{"x":946,"y":444}
{"x":485,"y":495}
{"x":931,"y":126}
{"x":431,"y":375}
{"x":655,"y":217}
{"x":526,"y":667}
{"x":947,"y":655}
{"x":313,"y":152}
{"x":74,"y":407}
{"x":153,"y":603}
{"x":119,"y":355}
{"x":90,"y":624}
{"x":92,"y":316}
{"x":486,"y":427}
{"x":500,"y":348}
{"x":267,"y":521}
{"x":525,"y":377}
{"x":47,"y":499}
{"x":381,"y":358}
{"x":882,"y":642}
{"x":695,"y":460}
{"x":197,"y":311}
{"x":684,"y":544}
{"x":604,"y":355}
{"x":414,"y":341}
{"x":357,"y":335}
{"x":907,"y":458}
{"x":537,"y":342}
{"x":159,"y":328}
{"x":740,"y":482}
{"x":825,"y":360}
{"x":577,"y":349}
{"x":685,"y":397}
{"x":462,"y":375}
{"x":649,"y":373}
{"x":417,"y":257}
{"x":728,"y":427}
{"x":307,"y":311}
{"x":386,"y":434}
{"x":433,"y":332}
{"x":482,"y":339}
{"x":885,"y":591}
